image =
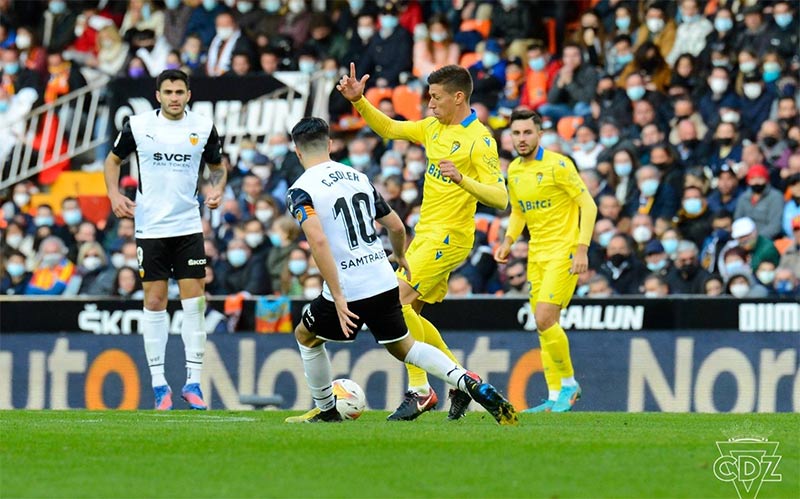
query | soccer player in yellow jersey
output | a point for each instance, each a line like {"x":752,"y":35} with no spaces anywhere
{"x":548,"y":196}
{"x":463,"y":167}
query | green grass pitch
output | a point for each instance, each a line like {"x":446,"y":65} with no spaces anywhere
{"x":254,"y":454}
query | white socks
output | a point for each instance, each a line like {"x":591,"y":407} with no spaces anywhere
{"x":193,"y":333}
{"x":568,"y":381}
{"x":435,"y":362}
{"x":317,"y":367}
{"x":155,"y":330}
{"x":552,"y":395}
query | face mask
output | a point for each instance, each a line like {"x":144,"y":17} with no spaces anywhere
{"x":758,"y":188}
{"x":730,"y":116}
{"x":42,"y":221}
{"x":356,"y":5}
{"x":723,"y":24}
{"x":172,"y":4}
{"x":23,"y":42}
{"x":72,"y":217}
{"x":783,"y":20}
{"x":651,"y":294}
{"x":306,"y":66}
{"x":618,"y":259}
{"x":173,"y":65}
{"x":224,"y":33}
{"x":118,"y":260}
{"x":15,"y":269}
{"x":146,"y":11}
{"x":649,"y":187}
{"x":311,"y":293}
{"x":229,"y":218}
{"x":247,"y":155}
{"x":609,"y":141}
{"x":264,"y":215}
{"x":244,"y":7}
{"x":770,"y":141}
{"x":740,"y":290}
{"x":209,"y":5}
{"x":737,"y":267}
{"x":296,"y":7}
{"x":438,"y":37}
{"x":623,"y":23}
{"x":718,"y":85}
{"x":766,"y":276}
{"x":692,"y":206}
{"x":278,"y":150}
{"x":275,"y":239}
{"x":748,"y":66}
{"x":752,"y":90}
{"x":642,"y":234}
{"x":724,"y":141}
{"x":720,"y":63}
{"x":389,"y":22}
{"x":508,"y":4}
{"x":655,"y":267}
{"x":360,"y":160}
{"x":388,"y":171}
{"x":489,"y":59}
{"x":11,"y":68}
{"x":770,"y":76}
{"x":784,"y":287}
{"x":624,"y":59}
{"x":409,"y":195}
{"x":582,"y":290}
{"x":416,"y":168}
{"x":135,"y":72}
{"x":91,"y":263}
{"x":3,"y":106}
{"x":14,"y":240}
{"x":635,"y":93}
{"x":237,"y":257}
{"x":297,"y":267}
{"x":254,"y":239}
{"x":548,"y":139}
{"x":623,"y":169}
{"x":655,"y":25}
{"x":587,"y":146}
{"x":536,"y":63}
{"x":57,"y":7}
{"x":670,"y":246}
{"x":365,"y":32}
{"x":604,"y":238}
{"x":51,"y":259}
{"x":132,"y":263}
{"x":331,"y":74}
{"x":21,"y":200}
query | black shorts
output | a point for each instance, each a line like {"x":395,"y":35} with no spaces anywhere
{"x":382,"y":314}
{"x":181,"y":257}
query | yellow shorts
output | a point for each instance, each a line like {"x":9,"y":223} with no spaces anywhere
{"x":431,"y":263}
{"x":551,"y":282}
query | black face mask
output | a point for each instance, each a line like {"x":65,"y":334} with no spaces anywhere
{"x":691,"y":143}
{"x":770,"y":141}
{"x":618,"y":259}
{"x":689,"y":270}
{"x":606,"y":94}
{"x":792,"y":144}
{"x":724,"y":141}
{"x":758,"y":188}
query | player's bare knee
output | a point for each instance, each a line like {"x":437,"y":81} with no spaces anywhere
{"x":399,"y":349}
{"x":155,"y":302}
{"x":305,"y":337}
{"x":546,"y":316}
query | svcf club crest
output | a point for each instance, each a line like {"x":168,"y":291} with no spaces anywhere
{"x":194,"y":139}
{"x":539,"y":177}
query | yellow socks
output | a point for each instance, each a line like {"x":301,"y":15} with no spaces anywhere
{"x":554,"y":342}
{"x":434,"y":337}
{"x":551,"y":372}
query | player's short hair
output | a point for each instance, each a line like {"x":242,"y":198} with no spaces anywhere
{"x":172,"y":75}
{"x":526,"y":114}
{"x":311,"y":133}
{"x":453,"y":78}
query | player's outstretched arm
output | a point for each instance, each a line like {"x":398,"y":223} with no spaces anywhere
{"x":120,"y":204}
{"x":327,"y":268}
{"x":397,"y":236}
{"x":353,"y":90}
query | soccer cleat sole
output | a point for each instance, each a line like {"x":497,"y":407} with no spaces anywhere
{"x":500,"y":408}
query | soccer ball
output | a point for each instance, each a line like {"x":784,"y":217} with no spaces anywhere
{"x":350,"y":398}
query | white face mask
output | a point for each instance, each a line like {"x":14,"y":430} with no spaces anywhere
{"x":264,"y":216}
{"x":718,"y":85}
{"x":23,"y":42}
{"x":91,"y":263}
{"x":297,"y":6}
{"x":118,"y":260}
{"x":224,"y":33}
{"x":766,"y":276}
{"x":365,"y":32}
{"x":409,"y":195}
{"x":311,"y":293}
{"x":740,"y":290}
{"x":642,"y":234}
{"x":21,"y":199}
{"x":14,"y":240}
{"x":416,"y":168}
{"x":752,"y":90}
{"x":254,"y":239}
{"x":132,"y":262}
{"x":655,"y":25}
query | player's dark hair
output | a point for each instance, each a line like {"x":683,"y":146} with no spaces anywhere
{"x":453,"y":78}
{"x":311,"y":133}
{"x":172,"y":75}
{"x":526,"y":114}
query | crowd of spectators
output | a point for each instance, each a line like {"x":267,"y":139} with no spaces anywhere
{"x":682,"y":118}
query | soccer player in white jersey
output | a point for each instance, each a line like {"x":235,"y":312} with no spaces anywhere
{"x":337,"y":207}
{"x":171,"y":145}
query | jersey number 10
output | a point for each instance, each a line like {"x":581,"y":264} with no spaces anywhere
{"x":357,"y":211}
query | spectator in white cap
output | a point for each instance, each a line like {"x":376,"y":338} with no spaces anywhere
{"x":758,"y":247}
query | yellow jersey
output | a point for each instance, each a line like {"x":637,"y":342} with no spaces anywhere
{"x":448,"y":211}
{"x":543,"y":193}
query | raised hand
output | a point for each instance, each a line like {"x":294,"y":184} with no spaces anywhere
{"x":350,"y":86}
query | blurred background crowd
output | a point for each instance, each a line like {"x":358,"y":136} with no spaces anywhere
{"x":681,"y":116}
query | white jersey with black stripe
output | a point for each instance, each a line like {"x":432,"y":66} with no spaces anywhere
{"x":347,"y":205}
{"x":170,"y":154}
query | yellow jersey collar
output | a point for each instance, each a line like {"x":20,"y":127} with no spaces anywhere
{"x":469,"y":119}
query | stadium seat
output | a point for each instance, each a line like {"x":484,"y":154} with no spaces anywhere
{"x":96,"y":209}
{"x":71,"y":184}
{"x":469,"y":59}
{"x":375,"y":95}
{"x":407,"y":102}
{"x":568,"y":125}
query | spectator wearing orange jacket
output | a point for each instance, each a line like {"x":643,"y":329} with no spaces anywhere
{"x":539,"y":76}
{"x":53,"y":271}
